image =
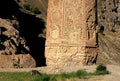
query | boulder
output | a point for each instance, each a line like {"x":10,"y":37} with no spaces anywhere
{"x":17,"y":61}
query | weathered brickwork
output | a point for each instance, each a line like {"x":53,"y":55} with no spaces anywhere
{"x":70,"y":31}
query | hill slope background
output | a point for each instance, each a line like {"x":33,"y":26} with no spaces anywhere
{"x":109,"y":35}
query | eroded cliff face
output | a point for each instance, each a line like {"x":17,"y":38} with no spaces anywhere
{"x":20,"y":32}
{"x":42,"y":5}
{"x":14,"y":51}
{"x":109,"y":31}
{"x":10,"y":40}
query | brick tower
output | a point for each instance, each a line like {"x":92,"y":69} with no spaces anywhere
{"x":71,"y":33}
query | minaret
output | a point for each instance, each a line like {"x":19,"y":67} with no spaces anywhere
{"x":68,"y":23}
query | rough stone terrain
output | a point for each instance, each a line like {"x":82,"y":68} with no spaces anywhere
{"x":13,"y":48}
{"x":109,"y":34}
{"x":10,"y":40}
{"x":17,"y":61}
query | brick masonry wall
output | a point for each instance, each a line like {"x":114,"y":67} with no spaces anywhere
{"x":70,"y":27}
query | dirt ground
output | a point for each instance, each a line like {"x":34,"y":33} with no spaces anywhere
{"x":113,"y":69}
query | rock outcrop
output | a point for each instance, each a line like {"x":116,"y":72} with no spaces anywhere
{"x":17,"y":61}
{"x":109,"y":31}
{"x":13,"y":48}
{"x":10,"y":40}
{"x":42,"y":5}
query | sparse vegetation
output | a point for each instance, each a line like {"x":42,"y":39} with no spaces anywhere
{"x":26,"y":6}
{"x":101,"y":70}
{"x":35,"y":10}
{"x":101,"y":67}
{"x":31,"y":9}
{"x":26,"y":76}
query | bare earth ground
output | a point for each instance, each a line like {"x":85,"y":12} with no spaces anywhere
{"x":113,"y":76}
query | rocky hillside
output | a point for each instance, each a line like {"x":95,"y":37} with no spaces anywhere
{"x":10,"y":40}
{"x":40,"y":4}
{"x":23,"y":32}
{"x":109,"y":34}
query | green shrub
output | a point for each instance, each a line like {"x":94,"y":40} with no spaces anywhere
{"x":53,"y":78}
{"x":81,"y":73}
{"x":43,"y":77}
{"x":101,"y":67}
{"x":26,"y":6}
{"x":31,"y":9}
{"x":101,"y":70}
{"x":35,"y":10}
{"x":64,"y":75}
